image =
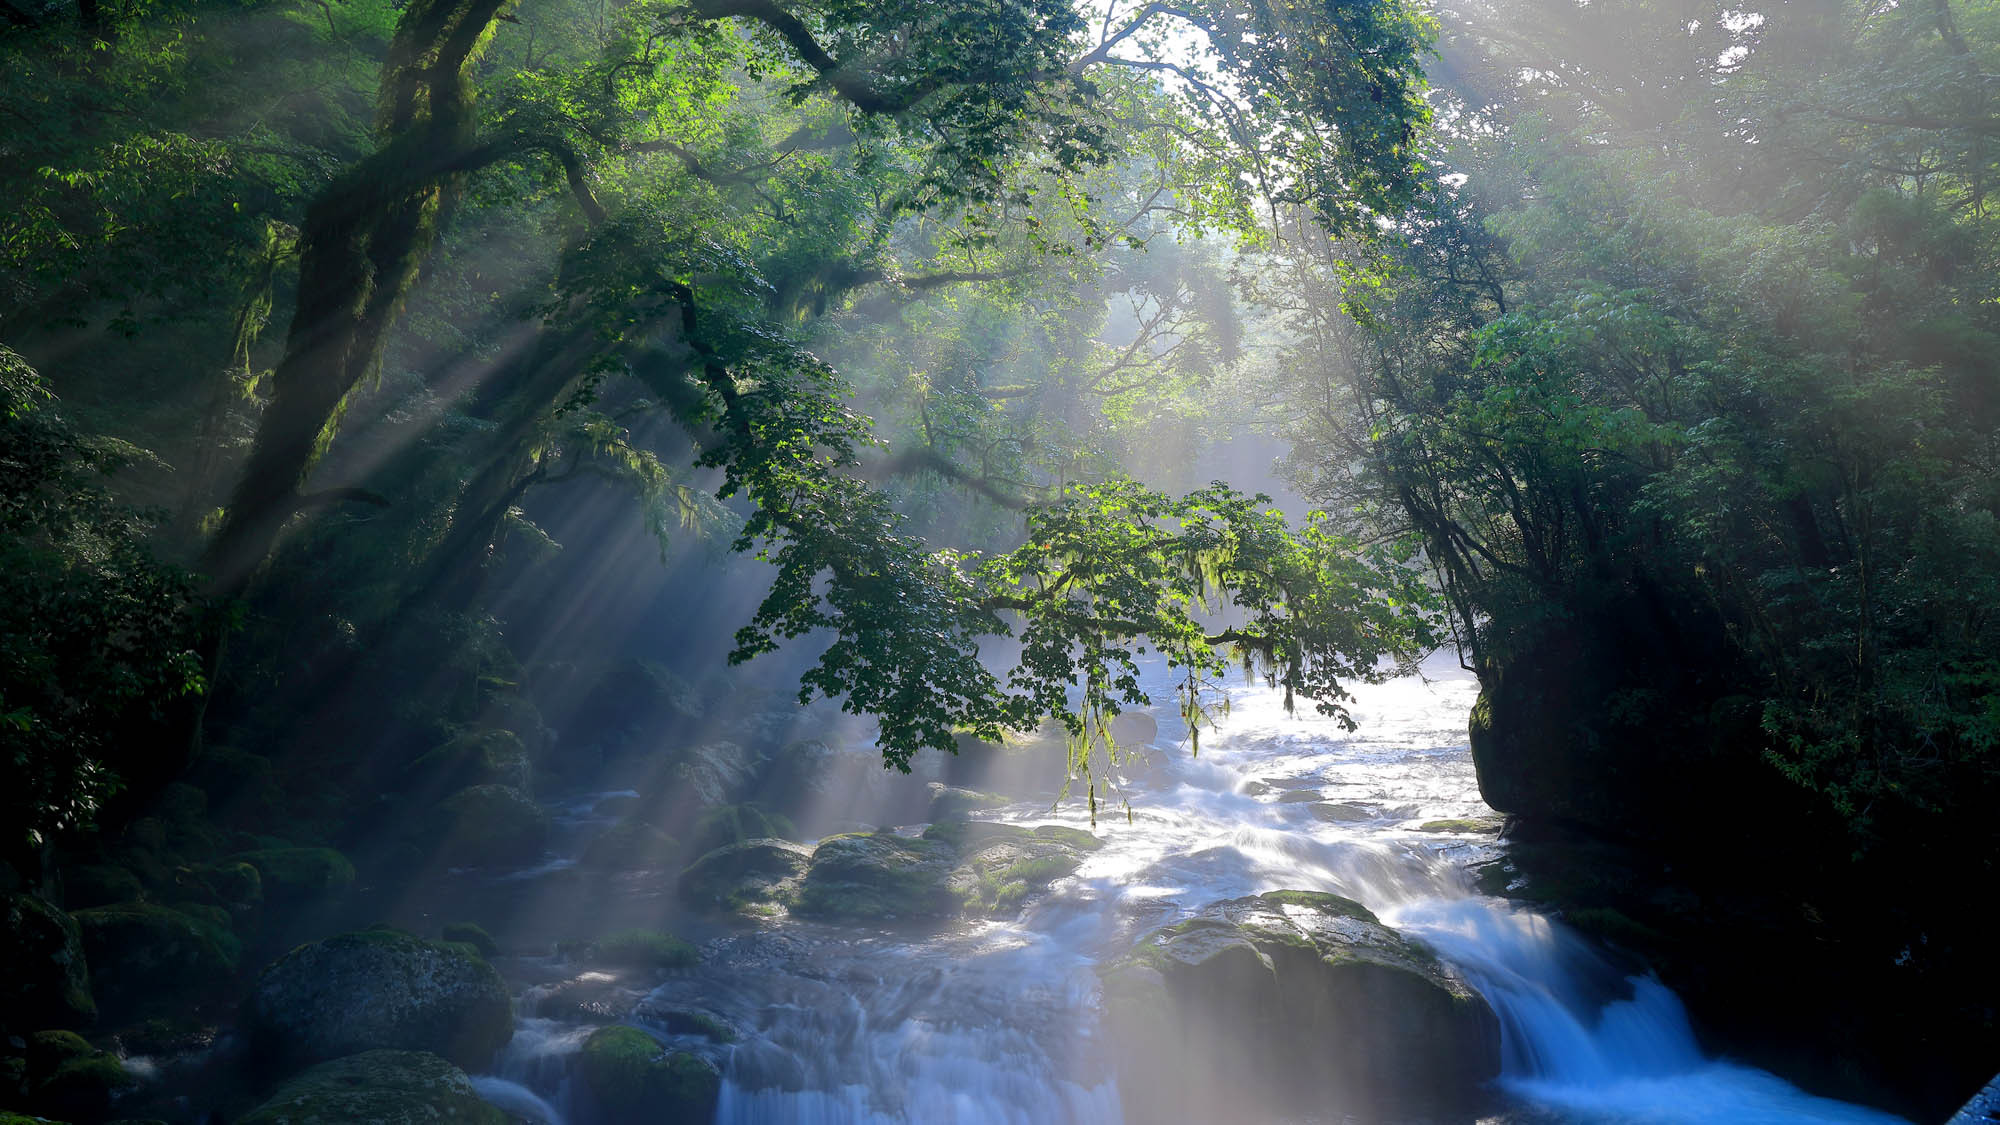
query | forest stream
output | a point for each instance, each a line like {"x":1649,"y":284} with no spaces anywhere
{"x":998,"y":1022}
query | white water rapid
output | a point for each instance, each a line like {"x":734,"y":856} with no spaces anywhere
{"x":996,"y":1023}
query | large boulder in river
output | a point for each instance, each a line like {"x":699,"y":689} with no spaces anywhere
{"x":490,"y":825}
{"x":45,"y":983}
{"x":1000,"y":865}
{"x":880,"y":877}
{"x":381,"y":1087}
{"x":153,"y":960}
{"x":1301,"y":1003}
{"x":630,"y":1079}
{"x":757,"y":876}
{"x":379,"y":988}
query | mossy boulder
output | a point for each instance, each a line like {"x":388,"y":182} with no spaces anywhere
{"x":155,"y":959}
{"x":750,"y":875}
{"x":379,"y":988}
{"x":468,"y":933}
{"x":642,"y":949}
{"x":64,"y":1077}
{"x":951,"y":803}
{"x":242,"y":788}
{"x":880,"y":877}
{"x":487,"y":757}
{"x":294,"y":876}
{"x":99,"y":884}
{"x":1001,"y":865}
{"x":733,"y":824}
{"x":630,"y":845}
{"x":1302,"y":1002}
{"x":630,"y":1079}
{"x":378,"y":1087}
{"x":43,"y":979}
{"x":490,"y":825}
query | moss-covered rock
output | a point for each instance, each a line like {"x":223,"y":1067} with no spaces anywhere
{"x":242,"y":788}
{"x":487,"y":825}
{"x":379,"y":1087}
{"x":292,"y":876}
{"x":642,"y":949}
{"x":155,"y":959}
{"x":99,"y":884}
{"x":752,"y":874}
{"x":1301,"y":1002}
{"x":379,"y":988}
{"x":467,"y":933}
{"x":487,"y":757}
{"x":630,"y":1079}
{"x":693,"y":1021}
{"x":951,"y":803}
{"x":60,"y":1075}
{"x":733,"y":824}
{"x":880,"y":877}
{"x":44,"y":982}
{"x":1002,"y":864}
{"x":233,"y":885}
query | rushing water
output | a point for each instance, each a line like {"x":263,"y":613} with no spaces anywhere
{"x":996,"y":1023}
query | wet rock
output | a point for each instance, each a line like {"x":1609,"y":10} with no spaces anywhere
{"x":1298,"y":796}
{"x":1298,"y":1001}
{"x":64,"y":1077}
{"x":44,"y":982}
{"x":949,"y":803}
{"x":1469,"y":824}
{"x":590,"y":997}
{"x":752,"y":874}
{"x":1002,"y":864}
{"x":1343,"y":812}
{"x":379,"y":988}
{"x":154,"y":959}
{"x":488,"y":757}
{"x":880,"y":877}
{"x":693,"y":1021}
{"x":490,"y":825}
{"x":733,"y":824}
{"x":99,"y":885}
{"x":630,"y":1079}
{"x":468,"y":933}
{"x":379,"y":1087}
{"x":291,"y":876}
{"x":640,"y":949}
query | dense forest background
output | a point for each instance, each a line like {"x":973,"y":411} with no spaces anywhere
{"x":357,"y":354}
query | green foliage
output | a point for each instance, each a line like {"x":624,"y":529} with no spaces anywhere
{"x":99,"y":636}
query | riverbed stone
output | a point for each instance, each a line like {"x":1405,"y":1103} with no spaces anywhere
{"x":1298,"y":1001}
{"x":379,"y":1087}
{"x":631,"y":1079}
{"x":880,"y":877}
{"x":379,"y":988}
{"x":753,"y":875}
{"x":1001,"y":865}
{"x":45,"y":982}
{"x":157,"y":960}
{"x":490,"y":825}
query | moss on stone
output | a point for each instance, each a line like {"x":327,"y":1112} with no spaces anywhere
{"x":154,"y":958}
{"x":633,"y":1080}
{"x":1322,"y":901}
{"x":43,"y":979}
{"x":296,"y":874}
{"x":99,"y":884}
{"x":690,"y":1021}
{"x":484,"y":825}
{"x":644,"y":949}
{"x":467,"y":933}
{"x":380,"y":1087}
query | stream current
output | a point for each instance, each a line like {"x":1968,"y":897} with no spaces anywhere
{"x":995,"y":1023}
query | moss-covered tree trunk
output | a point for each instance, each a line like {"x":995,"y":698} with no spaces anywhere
{"x":362,"y":245}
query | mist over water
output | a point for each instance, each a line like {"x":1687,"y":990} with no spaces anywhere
{"x":996,"y":1023}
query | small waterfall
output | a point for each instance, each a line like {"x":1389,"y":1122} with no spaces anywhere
{"x":995,"y":1024}
{"x":1581,"y":1037}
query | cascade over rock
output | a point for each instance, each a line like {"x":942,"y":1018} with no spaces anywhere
{"x":1295,"y":1001}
